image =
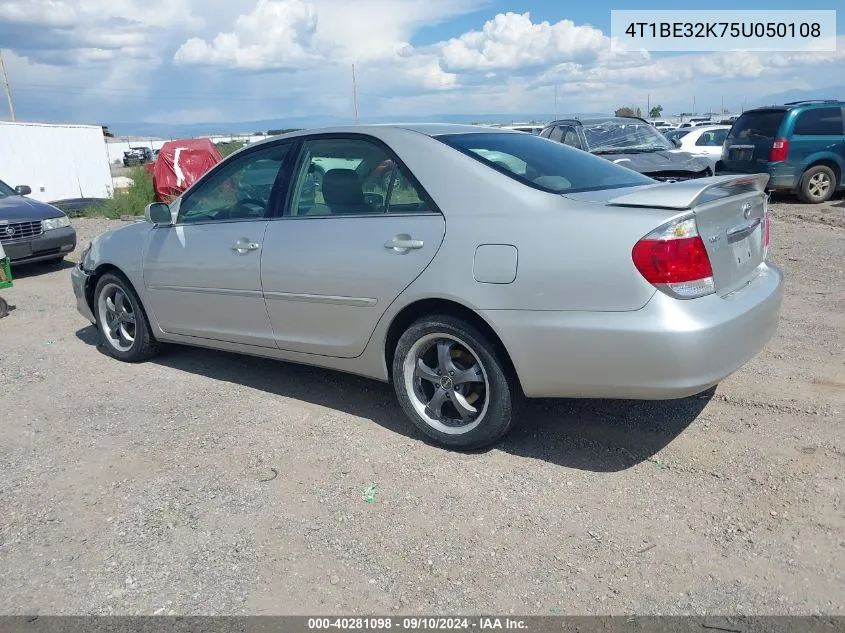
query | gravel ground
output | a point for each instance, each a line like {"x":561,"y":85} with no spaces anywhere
{"x":208,"y":483}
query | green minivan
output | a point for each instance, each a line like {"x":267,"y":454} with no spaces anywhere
{"x":801,"y":145}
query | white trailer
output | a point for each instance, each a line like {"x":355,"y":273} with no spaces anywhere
{"x":57,"y":161}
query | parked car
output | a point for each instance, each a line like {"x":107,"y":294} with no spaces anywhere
{"x":137,"y":156}
{"x":572,"y":277}
{"x":801,"y":145}
{"x":32,"y":231}
{"x":705,"y":140}
{"x":662,"y":125}
{"x":631,"y":142}
{"x":676,"y":135}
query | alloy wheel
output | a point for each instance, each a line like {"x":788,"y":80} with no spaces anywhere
{"x":116,"y":317}
{"x":446,"y":383}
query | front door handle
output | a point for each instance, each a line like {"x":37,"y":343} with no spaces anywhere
{"x":242,"y":247}
{"x":403,"y":243}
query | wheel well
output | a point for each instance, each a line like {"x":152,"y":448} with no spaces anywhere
{"x":828,"y":163}
{"x":101,"y":270}
{"x":428,"y":307}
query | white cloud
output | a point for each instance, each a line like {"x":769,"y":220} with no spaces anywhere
{"x":277,"y":34}
{"x":512,"y":41}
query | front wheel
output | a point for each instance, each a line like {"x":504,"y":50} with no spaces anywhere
{"x":124,"y":330}
{"x":817,"y":184}
{"x":452,"y":384}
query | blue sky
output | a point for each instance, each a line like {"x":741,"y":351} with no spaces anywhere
{"x":191,"y":61}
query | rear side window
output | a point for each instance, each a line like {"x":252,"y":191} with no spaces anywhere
{"x":760,"y":124}
{"x":819,"y":122}
{"x":544,"y":164}
{"x":714,"y":138}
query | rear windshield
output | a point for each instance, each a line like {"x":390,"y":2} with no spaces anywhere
{"x":544,"y":164}
{"x":761,"y":124}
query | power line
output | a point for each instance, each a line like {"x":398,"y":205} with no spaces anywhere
{"x":6,"y":86}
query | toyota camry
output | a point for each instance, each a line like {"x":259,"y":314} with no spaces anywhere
{"x":469,"y":266}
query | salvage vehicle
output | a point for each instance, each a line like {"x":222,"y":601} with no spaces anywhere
{"x":138,"y":156}
{"x":32,"y":231}
{"x":631,"y":142}
{"x":553,"y":274}
{"x":800,"y":145}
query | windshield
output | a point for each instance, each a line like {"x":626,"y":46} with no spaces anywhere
{"x":760,"y":124}
{"x":544,"y":164}
{"x":617,"y":136}
{"x":6,"y":190}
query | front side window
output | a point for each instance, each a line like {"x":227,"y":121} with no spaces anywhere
{"x":544,"y":164}
{"x":819,"y":122}
{"x":239,"y":190}
{"x":351,"y":176}
{"x":570,"y":137}
{"x":714,"y":138}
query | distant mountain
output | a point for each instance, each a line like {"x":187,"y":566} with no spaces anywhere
{"x":778,"y":98}
{"x":165,"y":130}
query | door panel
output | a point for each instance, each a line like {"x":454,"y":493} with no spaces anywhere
{"x":203,"y":276}
{"x":198,"y":285}
{"x":327,"y":281}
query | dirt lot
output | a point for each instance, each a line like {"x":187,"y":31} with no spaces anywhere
{"x":205,"y":482}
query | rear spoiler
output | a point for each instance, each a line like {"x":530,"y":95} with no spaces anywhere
{"x":686,"y":194}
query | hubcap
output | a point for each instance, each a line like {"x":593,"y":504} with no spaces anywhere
{"x":446,"y":383}
{"x":818,"y":185}
{"x":117,"y":318}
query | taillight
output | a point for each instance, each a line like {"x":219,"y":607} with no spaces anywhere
{"x":780,"y":149}
{"x":673,"y":258}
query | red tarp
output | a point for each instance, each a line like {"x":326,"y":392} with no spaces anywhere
{"x":180,"y":164}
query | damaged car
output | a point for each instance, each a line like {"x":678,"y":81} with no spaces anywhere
{"x":632,"y":143}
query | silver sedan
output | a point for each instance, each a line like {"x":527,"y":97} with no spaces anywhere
{"x":468,"y":265}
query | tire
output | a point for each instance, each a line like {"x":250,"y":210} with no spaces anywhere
{"x":445,"y":343}
{"x":125,"y":331}
{"x":817,"y":184}
{"x":4,"y":308}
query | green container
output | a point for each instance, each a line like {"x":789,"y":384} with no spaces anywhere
{"x":5,"y":273}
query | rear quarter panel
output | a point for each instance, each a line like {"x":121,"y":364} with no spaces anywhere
{"x":572,"y":254}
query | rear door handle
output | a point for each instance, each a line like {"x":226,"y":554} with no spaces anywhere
{"x":403,"y":243}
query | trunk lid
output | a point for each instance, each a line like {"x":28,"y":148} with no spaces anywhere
{"x":749,"y":143}
{"x":730,"y":213}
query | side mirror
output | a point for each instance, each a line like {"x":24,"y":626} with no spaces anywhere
{"x":676,"y":142}
{"x":158,"y":213}
{"x":23,"y":190}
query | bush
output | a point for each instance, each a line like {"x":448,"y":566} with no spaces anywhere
{"x":226,"y":149}
{"x":129,"y":201}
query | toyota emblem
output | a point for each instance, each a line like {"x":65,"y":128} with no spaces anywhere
{"x":10,"y":231}
{"x":746,"y":210}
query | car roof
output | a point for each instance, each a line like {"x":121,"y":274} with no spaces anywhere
{"x":791,"y":105}
{"x":595,"y":120}
{"x":429,"y":129}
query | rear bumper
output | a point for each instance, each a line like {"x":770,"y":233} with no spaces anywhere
{"x":79,"y":280}
{"x":668,"y":349}
{"x":49,"y":245}
{"x":782,"y":176}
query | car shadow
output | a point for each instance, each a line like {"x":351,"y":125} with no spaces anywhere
{"x":22,"y":271}
{"x":590,"y":435}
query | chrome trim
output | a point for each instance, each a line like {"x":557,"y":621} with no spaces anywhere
{"x":229,"y":292}
{"x":345,"y":301}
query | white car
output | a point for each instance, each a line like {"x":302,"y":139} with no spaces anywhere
{"x":705,"y":140}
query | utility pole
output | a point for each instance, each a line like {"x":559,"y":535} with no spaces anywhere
{"x":648,"y":106}
{"x":693,"y":104}
{"x":354,"y":94}
{"x":6,"y":86}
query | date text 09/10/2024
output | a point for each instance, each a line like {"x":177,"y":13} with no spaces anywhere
{"x":417,"y":623}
